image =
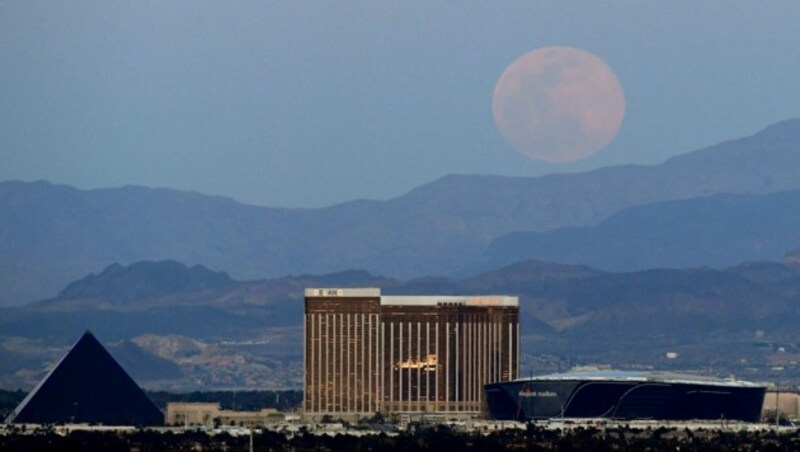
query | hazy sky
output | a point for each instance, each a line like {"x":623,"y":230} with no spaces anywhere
{"x":305,"y":104}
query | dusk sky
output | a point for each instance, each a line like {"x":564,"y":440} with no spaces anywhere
{"x":307,"y":104}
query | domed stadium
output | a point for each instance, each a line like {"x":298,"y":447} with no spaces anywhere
{"x":625,"y":395}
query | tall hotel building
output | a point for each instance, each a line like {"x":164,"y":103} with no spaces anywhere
{"x":367,"y":353}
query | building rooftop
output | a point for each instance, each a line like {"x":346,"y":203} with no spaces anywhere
{"x":433,"y":300}
{"x":655,"y":376}
{"x":329,"y":292}
{"x":412,"y":300}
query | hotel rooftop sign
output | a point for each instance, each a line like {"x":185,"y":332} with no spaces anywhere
{"x":343,"y":292}
{"x":411,"y":300}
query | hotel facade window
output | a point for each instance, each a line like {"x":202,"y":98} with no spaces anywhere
{"x":368,"y":353}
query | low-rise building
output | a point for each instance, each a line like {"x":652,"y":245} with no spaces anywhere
{"x":211,"y":415}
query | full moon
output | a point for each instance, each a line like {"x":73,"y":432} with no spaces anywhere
{"x":558,"y":104}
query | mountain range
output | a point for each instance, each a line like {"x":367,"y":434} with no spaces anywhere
{"x":719,"y":230}
{"x":180,"y":327}
{"x":53,"y":234}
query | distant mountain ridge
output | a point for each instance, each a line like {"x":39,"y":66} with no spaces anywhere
{"x":53,"y":234}
{"x":720,"y":230}
{"x":145,"y":280}
{"x":249,"y":333}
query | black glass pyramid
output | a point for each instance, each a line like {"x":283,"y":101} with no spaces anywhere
{"x":87,"y":386}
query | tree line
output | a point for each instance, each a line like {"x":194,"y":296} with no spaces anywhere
{"x":437,"y":438}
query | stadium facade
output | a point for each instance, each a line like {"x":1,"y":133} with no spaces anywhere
{"x":367,"y":353}
{"x":625,"y":395}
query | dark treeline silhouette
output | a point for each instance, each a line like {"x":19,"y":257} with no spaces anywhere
{"x":240,"y":400}
{"x":433,"y":438}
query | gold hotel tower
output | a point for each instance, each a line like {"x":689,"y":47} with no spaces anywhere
{"x":367,"y":353}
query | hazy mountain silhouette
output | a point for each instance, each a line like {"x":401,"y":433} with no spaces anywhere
{"x":144,"y":280}
{"x":122,"y":302}
{"x":720,"y":230}
{"x":53,"y":234}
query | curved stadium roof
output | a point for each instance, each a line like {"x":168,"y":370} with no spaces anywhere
{"x":634,"y":375}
